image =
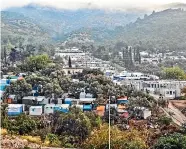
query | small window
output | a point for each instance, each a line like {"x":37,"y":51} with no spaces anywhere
{"x":167,"y":92}
{"x":170,"y":92}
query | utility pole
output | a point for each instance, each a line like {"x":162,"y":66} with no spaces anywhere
{"x":109,"y":122}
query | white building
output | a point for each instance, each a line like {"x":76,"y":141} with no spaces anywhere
{"x":73,"y":53}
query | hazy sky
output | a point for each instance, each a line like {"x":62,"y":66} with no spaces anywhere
{"x":108,"y":4}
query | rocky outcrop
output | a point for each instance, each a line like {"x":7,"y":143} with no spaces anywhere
{"x":8,"y":142}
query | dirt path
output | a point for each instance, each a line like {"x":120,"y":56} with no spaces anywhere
{"x":177,"y":116}
{"x":177,"y":113}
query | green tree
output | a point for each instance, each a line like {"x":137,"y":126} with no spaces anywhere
{"x":174,"y":73}
{"x":20,"y":88}
{"x":36,"y":63}
{"x":171,"y":141}
{"x":69,"y":62}
{"x":164,"y":120}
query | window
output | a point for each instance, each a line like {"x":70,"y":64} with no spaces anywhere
{"x":170,"y":92}
{"x":167,"y":92}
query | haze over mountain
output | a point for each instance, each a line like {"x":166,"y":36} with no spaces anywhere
{"x":102,"y":25}
{"x":61,"y":21}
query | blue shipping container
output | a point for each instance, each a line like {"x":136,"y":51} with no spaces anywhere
{"x":2,"y":87}
{"x":68,"y":101}
{"x":64,"y":110}
{"x":87,"y":107}
{"x":122,"y":101}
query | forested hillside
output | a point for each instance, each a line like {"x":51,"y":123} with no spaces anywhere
{"x":15,"y":25}
{"x":58,"y":22}
{"x":164,"y":29}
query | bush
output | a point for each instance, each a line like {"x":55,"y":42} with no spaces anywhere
{"x":119,"y":140}
{"x":164,"y":120}
{"x":23,"y":124}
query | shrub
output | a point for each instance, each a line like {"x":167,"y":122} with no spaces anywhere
{"x":52,"y":140}
{"x":164,"y":120}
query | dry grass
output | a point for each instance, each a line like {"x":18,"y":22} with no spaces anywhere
{"x":33,"y":139}
{"x":4,"y":132}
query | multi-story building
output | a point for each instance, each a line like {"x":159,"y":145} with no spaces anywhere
{"x":167,"y":88}
{"x":74,"y":54}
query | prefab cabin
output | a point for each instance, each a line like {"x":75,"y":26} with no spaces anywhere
{"x":87,"y":107}
{"x":68,"y":101}
{"x":123,"y":113}
{"x":42,"y":100}
{"x":3,"y":87}
{"x":111,"y":106}
{"x":87,"y":100}
{"x":121,"y":107}
{"x":88,"y":95}
{"x":100,"y":110}
{"x":35,"y":110}
{"x":11,"y":99}
{"x":49,"y":108}
{"x":123,"y":100}
{"x":82,"y":95}
{"x":143,"y":112}
{"x":28,"y":100}
{"x":146,"y":113}
{"x":31,"y":100}
{"x":15,"y":109}
{"x":62,"y":108}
